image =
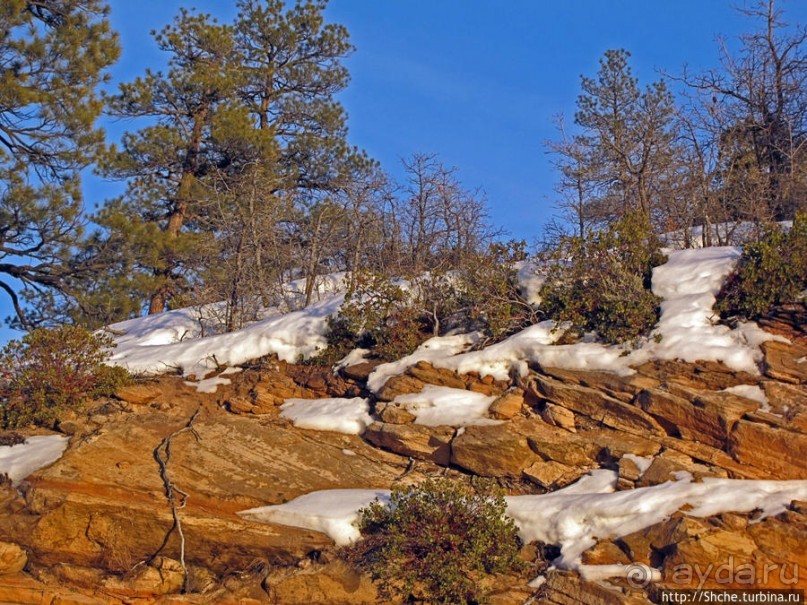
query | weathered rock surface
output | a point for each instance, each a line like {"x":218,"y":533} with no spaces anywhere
{"x":95,"y":527}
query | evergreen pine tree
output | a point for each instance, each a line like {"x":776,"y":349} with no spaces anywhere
{"x":53,"y":56}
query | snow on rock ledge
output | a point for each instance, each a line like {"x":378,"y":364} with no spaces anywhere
{"x":19,"y":461}
{"x":573,"y":518}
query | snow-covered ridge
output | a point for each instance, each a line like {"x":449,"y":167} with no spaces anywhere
{"x":573,"y":518}
{"x":687,"y":330}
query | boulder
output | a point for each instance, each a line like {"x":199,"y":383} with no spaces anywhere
{"x":780,"y":453}
{"x":12,"y":558}
{"x":785,"y":361}
{"x":707,"y":417}
{"x":619,"y":386}
{"x":392,"y":413}
{"x":399,"y":385}
{"x":415,"y":440}
{"x":492,"y":451}
{"x":335,"y":583}
{"x":558,"y":416}
{"x":507,"y":405}
{"x":552,"y":475}
{"x":441,"y":377}
{"x":596,"y":405}
{"x":141,"y":393}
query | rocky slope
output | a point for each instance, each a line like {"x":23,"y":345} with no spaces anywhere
{"x":98,"y":527}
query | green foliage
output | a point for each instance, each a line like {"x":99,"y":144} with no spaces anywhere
{"x":490,"y":294}
{"x":438,"y":539}
{"x":54,"y":55}
{"x":771,"y":271}
{"x":376,"y":314}
{"x":52,"y":371}
{"x":601,"y":283}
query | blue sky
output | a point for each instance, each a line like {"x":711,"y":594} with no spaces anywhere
{"x":476,"y":81}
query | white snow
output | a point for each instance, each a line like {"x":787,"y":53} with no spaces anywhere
{"x":356,"y":356}
{"x":333,"y":512}
{"x":444,"y":406}
{"x":291,"y":335}
{"x":752,"y":392}
{"x":349,"y":416}
{"x":434,"y":349}
{"x":209,"y":385}
{"x":573,"y":518}
{"x":19,"y":461}
{"x":531,"y":278}
{"x":642,"y":462}
{"x":687,"y":330}
{"x":576,"y":520}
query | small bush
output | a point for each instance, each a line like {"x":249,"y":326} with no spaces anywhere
{"x":437,"y":540}
{"x":771,"y":271}
{"x":378,"y":315}
{"x":602,"y":283}
{"x":491,"y":295}
{"x":51,"y":371}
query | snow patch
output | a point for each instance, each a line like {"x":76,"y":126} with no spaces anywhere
{"x":752,"y":392}
{"x":350,"y":416}
{"x":333,"y":512}
{"x":146,"y":347}
{"x":19,"y":461}
{"x":574,"y":517}
{"x":444,"y":406}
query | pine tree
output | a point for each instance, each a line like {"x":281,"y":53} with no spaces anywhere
{"x":53,"y":56}
{"x":242,"y":105}
{"x":629,"y":133}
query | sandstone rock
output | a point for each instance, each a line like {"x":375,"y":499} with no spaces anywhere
{"x":507,"y":405}
{"x":141,"y":393}
{"x":568,"y":588}
{"x":605,"y":553}
{"x":596,"y":405}
{"x":676,"y":529}
{"x":492,"y":451}
{"x":415,"y":440}
{"x":665,"y":467}
{"x":709,"y":418}
{"x":628,"y":469}
{"x":399,"y":385}
{"x":553,"y":443}
{"x":559,"y":416}
{"x":714,"y":457}
{"x":789,"y":401}
{"x":780,"y":453}
{"x":361,"y":371}
{"x":618,"y":386}
{"x":237,"y":405}
{"x":615,"y":444}
{"x":332,"y":584}
{"x":428,"y":374}
{"x":12,"y":558}
{"x":161,"y":576}
{"x":701,"y":375}
{"x":394,"y":414}
{"x":552,"y":475}
{"x":785,"y":362}
{"x":636,"y":546}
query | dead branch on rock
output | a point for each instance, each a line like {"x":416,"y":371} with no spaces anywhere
{"x":177,"y":498}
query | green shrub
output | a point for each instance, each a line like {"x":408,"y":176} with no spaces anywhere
{"x":602,"y":283}
{"x":377,"y":314}
{"x":51,"y":371}
{"x":437,"y":540}
{"x":771,"y":271}
{"x":490,"y":293}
